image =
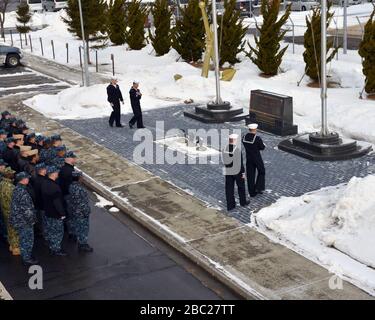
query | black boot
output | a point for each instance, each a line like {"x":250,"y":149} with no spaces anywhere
{"x":72,"y":237}
{"x":85,"y":248}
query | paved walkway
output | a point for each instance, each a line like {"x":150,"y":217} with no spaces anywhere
{"x":286,"y":174}
{"x":124,"y":265}
{"x":239,"y":256}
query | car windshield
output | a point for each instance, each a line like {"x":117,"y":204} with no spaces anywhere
{"x":34,"y":1}
{"x":60,"y":0}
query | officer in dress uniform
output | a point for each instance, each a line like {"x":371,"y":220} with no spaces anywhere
{"x":234,"y":173}
{"x":135,"y":97}
{"x":79,"y":210}
{"x":53,"y":205}
{"x":254,"y":163}
{"x":36,"y":182}
{"x":23,"y":217}
{"x":10,"y":154}
{"x":114,"y":96}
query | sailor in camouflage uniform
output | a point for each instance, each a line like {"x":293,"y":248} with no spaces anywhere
{"x":39,"y":140}
{"x":6,"y":192}
{"x":4,"y":122}
{"x":23,"y":217}
{"x":53,"y":205}
{"x":59,"y":159}
{"x":46,"y":154}
{"x":79,"y":210}
{"x":3,"y":228}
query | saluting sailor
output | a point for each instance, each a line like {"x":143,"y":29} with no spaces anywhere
{"x":234,"y":173}
{"x":254,"y":163}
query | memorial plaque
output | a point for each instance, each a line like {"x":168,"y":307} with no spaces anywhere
{"x":273,"y":112}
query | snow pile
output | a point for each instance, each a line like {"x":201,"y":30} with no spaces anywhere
{"x":102,"y":202}
{"x":334,"y":226}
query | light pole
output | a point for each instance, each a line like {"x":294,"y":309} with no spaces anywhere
{"x":323,"y":71}
{"x":345,"y":26}
{"x":86,"y":81}
{"x":216,"y":54}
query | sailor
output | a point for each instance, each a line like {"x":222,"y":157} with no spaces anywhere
{"x":254,"y":163}
{"x":234,"y":172}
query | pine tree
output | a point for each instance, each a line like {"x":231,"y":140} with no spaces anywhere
{"x":312,"y":43}
{"x":230,"y":33}
{"x":162,"y":39}
{"x":136,"y":15}
{"x":94,"y":17}
{"x":367,"y":52}
{"x":189,"y":33}
{"x":116,"y":25}
{"x":23,"y":16}
{"x":267,"y":54}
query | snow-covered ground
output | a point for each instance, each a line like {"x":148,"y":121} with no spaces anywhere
{"x":334,"y":226}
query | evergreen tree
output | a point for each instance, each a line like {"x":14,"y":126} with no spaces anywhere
{"x":136,"y":15}
{"x":94,"y":17}
{"x":230,"y":33}
{"x":23,"y":16}
{"x":367,"y":52}
{"x":267,"y":54}
{"x":162,"y":39}
{"x":312,"y":43}
{"x":116,"y":22}
{"x":189,"y":33}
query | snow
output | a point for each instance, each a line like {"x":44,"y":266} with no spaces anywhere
{"x":102,"y":203}
{"x":333,"y":226}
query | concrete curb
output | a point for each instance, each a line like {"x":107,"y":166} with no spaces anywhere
{"x":153,"y":226}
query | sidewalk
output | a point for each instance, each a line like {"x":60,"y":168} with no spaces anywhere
{"x":239,"y":256}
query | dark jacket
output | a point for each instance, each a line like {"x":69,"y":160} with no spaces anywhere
{"x":135,"y":97}
{"x":53,"y":201}
{"x":65,"y":178}
{"x":11,"y":158}
{"x":37,"y":182}
{"x":114,"y":94}
{"x":232,"y":154}
{"x":253,"y":145}
{"x":22,"y":163}
{"x":22,"y":212}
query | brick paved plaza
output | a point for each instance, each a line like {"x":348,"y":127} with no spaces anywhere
{"x":286,"y":174}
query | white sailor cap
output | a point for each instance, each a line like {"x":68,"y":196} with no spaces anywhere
{"x":252,"y":126}
{"x":114,"y":78}
{"x":233,"y":136}
{"x":136,"y":81}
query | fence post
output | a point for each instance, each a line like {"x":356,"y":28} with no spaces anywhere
{"x":41,"y":46}
{"x":53,"y":49}
{"x":113,"y":64}
{"x":26,"y":39}
{"x":80,"y":57}
{"x":31,"y":44}
{"x":11,"y":37}
{"x":96,"y":61}
{"x":21,"y":40}
{"x":67,"y":52}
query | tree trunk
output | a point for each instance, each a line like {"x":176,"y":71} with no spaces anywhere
{"x":2,"y":32}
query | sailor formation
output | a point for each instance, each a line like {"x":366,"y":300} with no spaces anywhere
{"x":41,"y":192}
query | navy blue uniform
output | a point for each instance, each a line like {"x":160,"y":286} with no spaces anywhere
{"x":135,"y":97}
{"x":53,"y":205}
{"x":22,"y":218}
{"x":254,"y":163}
{"x":114,"y":97}
{"x":234,"y":170}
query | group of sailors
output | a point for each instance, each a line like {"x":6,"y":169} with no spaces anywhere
{"x":41,"y":192}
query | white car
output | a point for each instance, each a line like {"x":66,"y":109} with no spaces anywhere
{"x":303,"y":5}
{"x":349,"y":2}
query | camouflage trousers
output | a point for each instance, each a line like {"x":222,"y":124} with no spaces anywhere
{"x":80,"y":227}
{"x":12,"y":235}
{"x":54,"y":232}
{"x":68,"y":220}
{"x":26,"y":236}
